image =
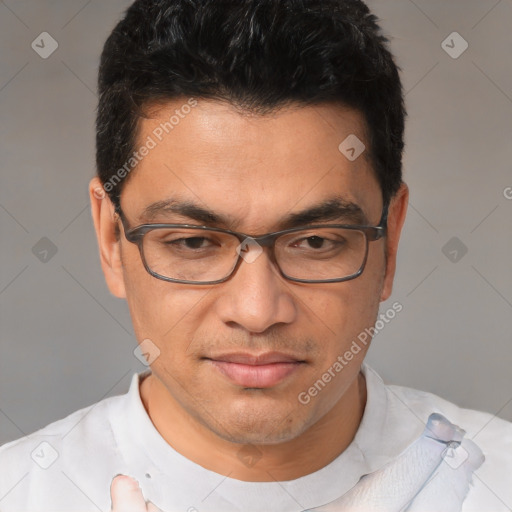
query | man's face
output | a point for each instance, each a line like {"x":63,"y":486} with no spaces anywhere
{"x":253,"y":171}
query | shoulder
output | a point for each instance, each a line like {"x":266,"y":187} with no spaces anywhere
{"x":61,"y":462}
{"x":492,"y":482}
{"x":477,"y":424}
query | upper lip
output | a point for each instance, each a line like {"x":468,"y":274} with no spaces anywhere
{"x":256,"y":359}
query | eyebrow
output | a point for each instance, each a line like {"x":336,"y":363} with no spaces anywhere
{"x":333,"y":209}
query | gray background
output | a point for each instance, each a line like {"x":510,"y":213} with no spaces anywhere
{"x":66,"y":343}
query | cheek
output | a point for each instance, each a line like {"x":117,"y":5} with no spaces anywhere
{"x":345,"y":308}
{"x":159,"y":309}
{"x":338,"y":313}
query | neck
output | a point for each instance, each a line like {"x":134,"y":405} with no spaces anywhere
{"x":309,"y":452}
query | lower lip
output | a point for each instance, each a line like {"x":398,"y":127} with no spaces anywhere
{"x":256,"y":376}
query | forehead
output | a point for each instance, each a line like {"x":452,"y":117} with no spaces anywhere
{"x":248,"y":166}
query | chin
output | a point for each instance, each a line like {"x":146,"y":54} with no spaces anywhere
{"x":259,"y":426}
{"x":259,"y":436}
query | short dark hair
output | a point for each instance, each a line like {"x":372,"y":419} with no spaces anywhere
{"x":259,"y":55}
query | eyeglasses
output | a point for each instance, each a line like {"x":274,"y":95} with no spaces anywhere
{"x":188,"y":254}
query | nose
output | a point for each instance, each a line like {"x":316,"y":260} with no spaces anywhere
{"x":256,"y":297}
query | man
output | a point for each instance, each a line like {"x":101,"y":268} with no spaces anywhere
{"x":248,"y":206}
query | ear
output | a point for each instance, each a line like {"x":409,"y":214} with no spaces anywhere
{"x":103,"y":214}
{"x":396,"y":219}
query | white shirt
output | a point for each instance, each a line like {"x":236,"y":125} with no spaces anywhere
{"x":84,"y":451}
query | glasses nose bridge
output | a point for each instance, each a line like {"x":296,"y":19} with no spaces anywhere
{"x":262,"y":241}
{"x":268,"y":240}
